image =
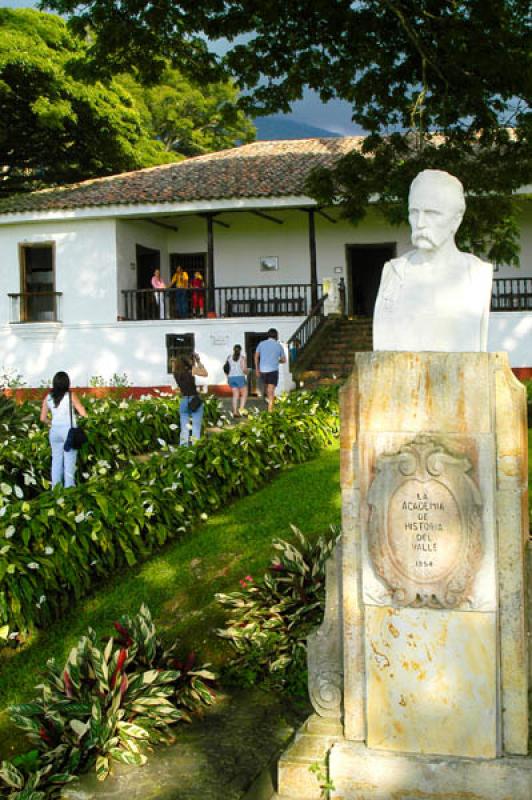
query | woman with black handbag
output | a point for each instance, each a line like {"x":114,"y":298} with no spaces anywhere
{"x":58,"y":405}
{"x":191,"y":405}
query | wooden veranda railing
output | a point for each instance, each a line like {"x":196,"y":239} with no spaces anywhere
{"x":302,"y":336}
{"x":281,"y":300}
{"x":35,"y":307}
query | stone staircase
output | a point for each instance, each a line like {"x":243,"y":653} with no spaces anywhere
{"x":328,"y":357}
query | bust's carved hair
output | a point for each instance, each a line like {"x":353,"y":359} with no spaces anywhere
{"x":444,"y":180}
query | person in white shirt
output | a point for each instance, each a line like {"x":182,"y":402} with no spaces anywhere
{"x":237,"y":380}
{"x":268,"y":355}
{"x":60,"y":405}
{"x":159,"y":286}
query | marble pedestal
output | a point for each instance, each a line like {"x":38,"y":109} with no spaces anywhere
{"x":422,"y":659}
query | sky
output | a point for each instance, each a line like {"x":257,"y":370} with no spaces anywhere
{"x":334,"y":116}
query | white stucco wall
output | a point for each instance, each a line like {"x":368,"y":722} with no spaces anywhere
{"x":139,"y":348}
{"x":136,"y":348}
{"x":96,"y":259}
{"x":191,"y":236}
{"x":85,"y":267}
{"x":511,"y":332}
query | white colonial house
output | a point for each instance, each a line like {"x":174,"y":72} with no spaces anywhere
{"x":76,"y":265}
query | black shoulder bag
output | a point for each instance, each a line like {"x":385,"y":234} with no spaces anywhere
{"x":194,"y":403}
{"x":76,"y":437}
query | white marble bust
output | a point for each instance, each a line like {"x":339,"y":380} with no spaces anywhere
{"x":434,"y":298}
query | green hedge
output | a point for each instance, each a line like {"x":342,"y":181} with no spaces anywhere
{"x":117,"y":430}
{"x":58,"y":544}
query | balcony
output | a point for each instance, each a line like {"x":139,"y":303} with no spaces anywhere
{"x":35,"y":307}
{"x":284,"y":300}
{"x":511,"y":294}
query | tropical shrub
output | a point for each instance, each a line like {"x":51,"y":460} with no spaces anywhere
{"x":35,"y":776}
{"x":57,"y":544}
{"x":270,"y":618}
{"x":12,"y":414}
{"x":117,"y":430}
{"x":108,"y":703}
{"x":11,"y":379}
{"x":119,"y":380}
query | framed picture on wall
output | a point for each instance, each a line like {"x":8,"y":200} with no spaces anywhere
{"x":269,"y":263}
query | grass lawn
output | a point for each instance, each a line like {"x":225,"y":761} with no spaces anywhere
{"x":179,"y":583}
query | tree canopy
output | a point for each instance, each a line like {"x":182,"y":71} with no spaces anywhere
{"x":189,"y":119}
{"x":59,"y":123}
{"x":54,"y":126}
{"x":436,"y":83}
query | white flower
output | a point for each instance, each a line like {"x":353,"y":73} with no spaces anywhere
{"x":173,"y":426}
{"x":5,"y":488}
{"x":80,"y":517}
{"x":48,"y":550}
{"x":60,"y":501}
{"x":204,"y":516}
{"x":10,"y":531}
{"x":33,"y":565}
{"x":19,"y":493}
{"x":161,"y":442}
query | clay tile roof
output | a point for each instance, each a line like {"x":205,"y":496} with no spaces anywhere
{"x":261,"y":169}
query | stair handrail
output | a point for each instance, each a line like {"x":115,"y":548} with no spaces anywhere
{"x":302,"y":336}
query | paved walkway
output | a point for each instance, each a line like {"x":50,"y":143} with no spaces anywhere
{"x":229,"y":754}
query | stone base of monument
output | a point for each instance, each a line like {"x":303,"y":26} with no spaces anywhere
{"x":419,"y":671}
{"x":358,"y":773}
{"x":297,"y":774}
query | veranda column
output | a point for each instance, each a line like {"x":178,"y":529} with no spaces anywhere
{"x":210,"y":264}
{"x":312,"y":254}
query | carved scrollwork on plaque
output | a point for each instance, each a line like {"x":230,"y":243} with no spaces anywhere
{"x":326,"y":692}
{"x":424,"y":534}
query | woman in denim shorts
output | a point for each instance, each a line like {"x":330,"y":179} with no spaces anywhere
{"x":237,"y":380}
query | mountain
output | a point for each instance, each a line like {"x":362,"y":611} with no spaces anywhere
{"x":270,"y":128}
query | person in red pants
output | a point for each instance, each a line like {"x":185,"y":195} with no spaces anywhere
{"x":198,"y":295}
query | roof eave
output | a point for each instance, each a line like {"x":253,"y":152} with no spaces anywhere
{"x":132,"y":210}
